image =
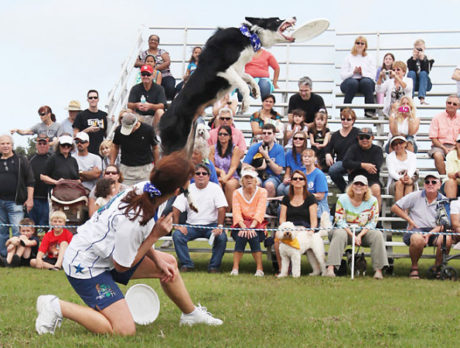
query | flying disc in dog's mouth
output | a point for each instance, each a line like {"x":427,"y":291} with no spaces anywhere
{"x":286,"y":28}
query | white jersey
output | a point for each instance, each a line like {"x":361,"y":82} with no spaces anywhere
{"x":109,"y":235}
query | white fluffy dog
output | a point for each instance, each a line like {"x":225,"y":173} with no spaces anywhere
{"x":294,"y":242}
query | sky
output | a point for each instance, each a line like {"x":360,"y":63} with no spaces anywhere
{"x":53,"y":51}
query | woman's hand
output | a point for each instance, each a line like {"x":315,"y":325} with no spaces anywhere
{"x":358,"y":240}
{"x":163,"y":226}
{"x":167,"y":269}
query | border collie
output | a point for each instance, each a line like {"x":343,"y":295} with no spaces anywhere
{"x":220,"y":70}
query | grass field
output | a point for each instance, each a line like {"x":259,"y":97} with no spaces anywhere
{"x":257,"y":312}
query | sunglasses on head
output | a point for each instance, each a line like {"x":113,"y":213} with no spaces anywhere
{"x":364,"y":137}
{"x":201,"y":173}
{"x":451,"y":103}
{"x":222,"y":134}
{"x":298,"y":178}
{"x":432,"y":182}
{"x":145,"y":73}
{"x":93,"y":97}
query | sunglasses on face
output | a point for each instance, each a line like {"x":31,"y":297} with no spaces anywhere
{"x":432,"y":182}
{"x":451,"y":103}
{"x":146,"y":74}
{"x":111,"y":173}
{"x":201,"y":173}
{"x":364,"y":137}
{"x":267,"y":133}
{"x":396,"y":143}
{"x":359,"y":43}
{"x":298,"y":178}
{"x":78,"y":141}
{"x":346,"y":119}
{"x":225,"y":118}
{"x":299,"y":138}
{"x":42,"y":113}
{"x":66,"y":145}
{"x":93,"y":97}
{"x":222,"y":134}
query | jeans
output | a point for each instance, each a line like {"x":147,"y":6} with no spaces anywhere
{"x":181,"y":240}
{"x":40,"y":212}
{"x":336,"y":172}
{"x":422,"y":83}
{"x":169,"y":85}
{"x":10,"y":213}
{"x":265,"y":87}
{"x":282,"y":189}
{"x":365,"y":86}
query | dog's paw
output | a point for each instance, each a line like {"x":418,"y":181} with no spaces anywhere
{"x":244,"y":106}
{"x":255,"y":91}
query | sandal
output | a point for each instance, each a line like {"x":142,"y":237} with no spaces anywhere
{"x":414,"y":273}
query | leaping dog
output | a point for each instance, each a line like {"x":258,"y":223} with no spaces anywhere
{"x":221,"y":69}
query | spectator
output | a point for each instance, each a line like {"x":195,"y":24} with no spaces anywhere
{"x":258,"y":69}
{"x":226,"y":158}
{"x":402,"y":168}
{"x":23,"y":247}
{"x":268,"y":159}
{"x":201,"y":155}
{"x":61,"y":165}
{"x":296,"y":125}
{"x":266,"y":115}
{"x":227,"y":101}
{"x":156,"y":74}
{"x":456,"y":77}
{"x":299,"y":206}
{"x":54,"y":244}
{"x":211,"y":203}
{"x":404,"y":122}
{"x":92,"y":121}
{"x":419,"y":68}
{"x":293,"y":161}
{"x":451,"y":185}
{"x":67,"y":125}
{"x":365,"y":159}
{"x":357,"y":210}
{"x":316,"y":181}
{"x":387,"y":66}
{"x":163,"y":62}
{"x":191,"y":67}
{"x":394,"y":88}
{"x":357,"y":73}
{"x":249,"y":204}
{"x":16,"y":189}
{"x":444,"y":129}
{"x":147,"y":98}
{"x":47,"y":125}
{"x":138,"y":145}
{"x":341,"y":141}
{"x":104,"y":191}
{"x":305,"y":100}
{"x":225,"y":118}
{"x":113,"y":172}
{"x":89,"y":164}
{"x":455,"y":220}
{"x":319,"y":138}
{"x":419,"y":210}
{"x":105,"y":149}
{"x":40,"y":211}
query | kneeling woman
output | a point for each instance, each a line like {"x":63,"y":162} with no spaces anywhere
{"x":357,"y":208}
{"x":116,"y":245}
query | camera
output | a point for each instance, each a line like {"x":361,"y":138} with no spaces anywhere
{"x":387,"y":72}
{"x":403,"y":109}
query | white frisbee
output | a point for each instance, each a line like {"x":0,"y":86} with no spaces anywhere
{"x":144,"y":304}
{"x":311,"y":29}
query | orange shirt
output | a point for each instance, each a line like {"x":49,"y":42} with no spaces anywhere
{"x":253,"y":209}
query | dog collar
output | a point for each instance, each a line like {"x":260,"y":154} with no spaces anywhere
{"x":253,"y":38}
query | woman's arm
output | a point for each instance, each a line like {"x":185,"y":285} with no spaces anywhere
{"x":22,"y":131}
{"x":392,"y":168}
{"x":236,"y":155}
{"x":313,"y":210}
{"x":48,"y":180}
{"x":393,"y":125}
{"x":347,"y":70}
{"x":159,"y":77}
{"x":256,"y":130}
{"x":283,"y":213}
{"x":414,"y":124}
{"x":166,"y":62}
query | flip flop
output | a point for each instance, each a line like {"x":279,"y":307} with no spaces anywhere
{"x":414,"y":273}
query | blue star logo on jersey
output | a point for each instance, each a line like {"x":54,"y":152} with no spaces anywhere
{"x":79,"y":268}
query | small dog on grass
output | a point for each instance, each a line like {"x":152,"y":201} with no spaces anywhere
{"x":360,"y":262}
{"x":294,"y":242}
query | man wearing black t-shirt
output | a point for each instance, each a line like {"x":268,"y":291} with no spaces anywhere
{"x":139,"y":148}
{"x":92,"y":121}
{"x":147,"y":98}
{"x":306,"y":100}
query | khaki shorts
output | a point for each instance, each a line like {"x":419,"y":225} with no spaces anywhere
{"x":134,"y":174}
{"x":435,"y":149}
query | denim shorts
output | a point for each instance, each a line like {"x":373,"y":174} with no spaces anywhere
{"x":431,"y":240}
{"x":102,"y":291}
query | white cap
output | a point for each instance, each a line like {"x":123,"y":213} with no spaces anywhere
{"x":65,"y":139}
{"x":248,"y":172}
{"x":82,"y":136}
{"x":362,"y":179}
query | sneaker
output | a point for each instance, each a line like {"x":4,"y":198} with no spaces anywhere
{"x":234,"y":272}
{"x":423,"y":102}
{"x":371,"y":114}
{"x":259,"y":273}
{"x":166,"y":244}
{"x":47,"y":319}
{"x":15,"y":261}
{"x":199,"y":316}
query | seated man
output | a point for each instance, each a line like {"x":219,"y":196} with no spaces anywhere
{"x":421,"y":216}
{"x":444,"y":129}
{"x":365,"y":159}
{"x":267,"y":157}
{"x":452,"y":184}
{"x":305,"y":100}
{"x":211,"y":204}
{"x":147,"y":98}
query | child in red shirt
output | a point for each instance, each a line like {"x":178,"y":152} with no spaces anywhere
{"x":52,"y":248}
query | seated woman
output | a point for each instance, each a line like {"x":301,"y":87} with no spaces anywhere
{"x":293,"y":161}
{"x":419,"y":69}
{"x":249,"y":204}
{"x":394,"y":88}
{"x":402,"y":169}
{"x":357,"y":208}
{"x":266,"y":115}
{"x":156,"y":75}
{"x":297,"y":124}
{"x":226,"y":158}
{"x":357,"y":73}
{"x":191,"y":67}
{"x":452,"y":184}
{"x":387,"y":65}
{"x":258,"y":69}
{"x":299,"y":207}
{"x":404,"y":122}
{"x":124,"y":251}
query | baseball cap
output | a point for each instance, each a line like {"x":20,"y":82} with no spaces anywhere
{"x":433,"y":175}
{"x":65,"y":139}
{"x":82,"y":136}
{"x":41,"y":136}
{"x":128,"y":122}
{"x":366,"y":131}
{"x":74,"y":105}
{"x":146,"y":68}
{"x":360,"y":178}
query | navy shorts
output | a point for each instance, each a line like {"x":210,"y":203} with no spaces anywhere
{"x":102,"y":291}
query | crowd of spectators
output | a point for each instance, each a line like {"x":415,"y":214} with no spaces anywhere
{"x":289,"y":160}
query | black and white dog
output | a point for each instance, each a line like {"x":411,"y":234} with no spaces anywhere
{"x":221,"y":69}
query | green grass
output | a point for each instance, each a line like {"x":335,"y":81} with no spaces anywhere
{"x":267,"y":312}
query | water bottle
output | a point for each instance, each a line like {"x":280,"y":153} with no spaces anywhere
{"x":143,"y":100}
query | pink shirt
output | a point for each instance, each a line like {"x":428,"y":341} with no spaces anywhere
{"x":237,"y":138}
{"x":258,"y":66}
{"x":445,"y":128}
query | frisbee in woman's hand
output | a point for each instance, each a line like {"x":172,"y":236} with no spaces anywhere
{"x":144,"y":304}
{"x":310,"y":29}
